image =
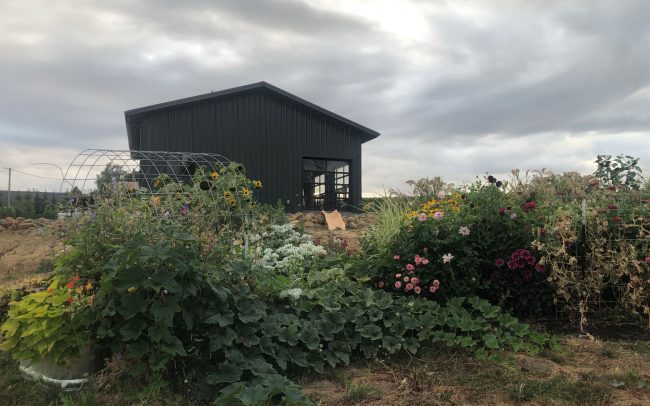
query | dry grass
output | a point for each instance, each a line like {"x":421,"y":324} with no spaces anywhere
{"x":584,"y":373}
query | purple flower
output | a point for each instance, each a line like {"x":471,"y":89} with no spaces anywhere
{"x":185,"y":209}
{"x":438,"y":215}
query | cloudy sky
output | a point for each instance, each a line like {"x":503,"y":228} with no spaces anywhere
{"x":457,"y":88}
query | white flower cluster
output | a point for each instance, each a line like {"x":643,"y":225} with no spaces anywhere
{"x":293,"y":293}
{"x":286,"y":249}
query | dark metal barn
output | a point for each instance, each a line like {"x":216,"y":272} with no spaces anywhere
{"x":306,"y":156}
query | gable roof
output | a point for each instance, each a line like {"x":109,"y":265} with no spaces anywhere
{"x":366,"y":133}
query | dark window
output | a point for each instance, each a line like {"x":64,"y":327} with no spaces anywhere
{"x":325,"y":183}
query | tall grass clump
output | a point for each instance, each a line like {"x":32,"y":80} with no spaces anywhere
{"x":390,"y":217}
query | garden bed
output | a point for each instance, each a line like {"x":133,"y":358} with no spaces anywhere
{"x":199,"y":295}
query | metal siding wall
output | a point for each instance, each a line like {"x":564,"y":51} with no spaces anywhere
{"x":265,"y":132}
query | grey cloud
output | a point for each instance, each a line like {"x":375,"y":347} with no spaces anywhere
{"x":476,"y":95}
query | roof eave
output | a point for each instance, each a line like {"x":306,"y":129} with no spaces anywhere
{"x":367,"y":133}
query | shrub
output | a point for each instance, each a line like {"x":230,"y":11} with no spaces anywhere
{"x":460,"y":244}
{"x":50,"y":324}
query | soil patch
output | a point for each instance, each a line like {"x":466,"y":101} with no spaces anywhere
{"x":26,"y":253}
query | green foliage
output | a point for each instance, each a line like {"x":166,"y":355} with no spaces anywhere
{"x":389,"y":221}
{"x":30,"y":205}
{"x":50,"y":323}
{"x":459,"y":245}
{"x":161,"y":306}
{"x":146,"y":302}
{"x":623,"y":170}
{"x":109,"y":178}
{"x":185,"y":296}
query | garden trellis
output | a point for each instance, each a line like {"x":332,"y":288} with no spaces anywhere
{"x":141,"y":166}
{"x":599,"y":264}
{"x":205,"y":189}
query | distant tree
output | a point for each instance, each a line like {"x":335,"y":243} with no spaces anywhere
{"x":39,"y":203}
{"x":110,"y":176}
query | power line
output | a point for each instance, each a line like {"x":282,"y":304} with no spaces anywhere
{"x":36,"y":176}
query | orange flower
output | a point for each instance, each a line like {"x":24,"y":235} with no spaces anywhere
{"x":50,"y":290}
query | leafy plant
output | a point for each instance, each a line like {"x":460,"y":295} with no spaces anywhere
{"x":49,"y":324}
{"x":623,"y":170}
{"x":458,"y":245}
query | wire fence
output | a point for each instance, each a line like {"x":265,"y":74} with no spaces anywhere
{"x":598,"y":247}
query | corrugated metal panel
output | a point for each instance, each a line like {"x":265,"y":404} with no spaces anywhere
{"x":266,"y":133}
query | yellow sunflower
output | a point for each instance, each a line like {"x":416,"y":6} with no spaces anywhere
{"x":257,"y":184}
{"x":214,"y":175}
{"x":245,"y":192}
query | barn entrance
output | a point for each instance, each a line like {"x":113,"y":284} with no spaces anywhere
{"x":325,"y":183}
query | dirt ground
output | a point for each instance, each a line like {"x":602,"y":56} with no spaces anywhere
{"x":313,"y":223}
{"x":26,"y":255}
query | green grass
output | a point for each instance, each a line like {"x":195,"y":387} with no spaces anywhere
{"x":15,"y":390}
{"x":558,"y":390}
{"x":628,"y":379}
{"x":390,"y":214}
{"x":358,"y":392}
{"x":640,"y":347}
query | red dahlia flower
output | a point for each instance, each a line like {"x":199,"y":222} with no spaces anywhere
{"x":529,"y":206}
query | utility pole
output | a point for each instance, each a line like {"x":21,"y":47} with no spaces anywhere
{"x":9,"y":190}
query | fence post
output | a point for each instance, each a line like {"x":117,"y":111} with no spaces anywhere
{"x":582,"y":246}
{"x":9,"y":190}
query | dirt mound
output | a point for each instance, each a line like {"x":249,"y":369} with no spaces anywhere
{"x":27,"y":249}
{"x":313,"y":223}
